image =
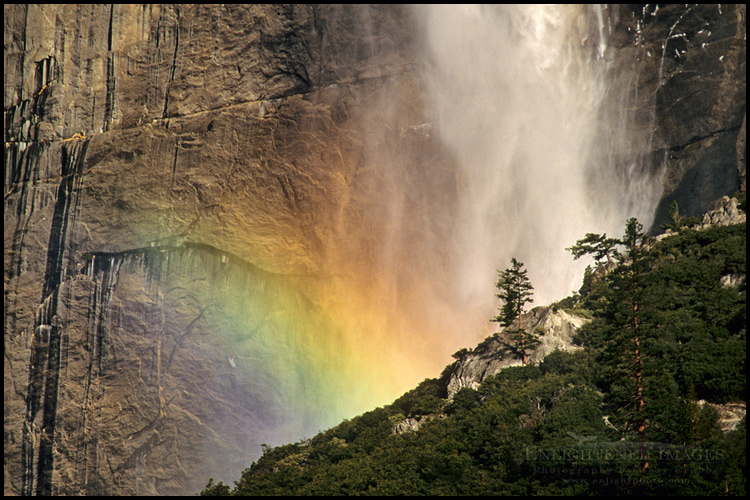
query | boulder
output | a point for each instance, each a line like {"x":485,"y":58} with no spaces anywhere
{"x":723,"y":212}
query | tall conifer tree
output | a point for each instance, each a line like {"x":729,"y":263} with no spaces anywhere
{"x":627,"y":279}
{"x":633,"y":240}
{"x":515,"y":290}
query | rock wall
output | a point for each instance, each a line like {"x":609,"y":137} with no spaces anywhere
{"x":690,"y":66}
{"x":180,"y":182}
{"x":180,"y":178}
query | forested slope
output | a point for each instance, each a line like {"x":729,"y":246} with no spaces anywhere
{"x":571,"y":424}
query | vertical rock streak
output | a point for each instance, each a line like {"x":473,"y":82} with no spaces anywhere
{"x":173,"y":67}
{"x":280,"y":327}
{"x":22,"y":174}
{"x":44,"y":374}
{"x":102,"y":272}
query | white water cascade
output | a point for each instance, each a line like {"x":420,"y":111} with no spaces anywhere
{"x":521,"y":97}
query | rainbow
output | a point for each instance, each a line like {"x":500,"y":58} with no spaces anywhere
{"x":308,"y":352}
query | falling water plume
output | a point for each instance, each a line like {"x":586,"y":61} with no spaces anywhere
{"x":521,"y":97}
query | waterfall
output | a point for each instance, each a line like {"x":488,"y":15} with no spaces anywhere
{"x":522,"y":97}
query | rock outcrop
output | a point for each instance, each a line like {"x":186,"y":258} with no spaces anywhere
{"x":730,"y":414}
{"x":723,"y":212}
{"x":489,"y":358}
{"x":413,"y":424}
{"x":732,"y":280}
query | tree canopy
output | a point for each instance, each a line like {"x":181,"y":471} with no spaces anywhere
{"x":515,"y":290}
{"x":597,"y":245}
{"x":568,"y":426}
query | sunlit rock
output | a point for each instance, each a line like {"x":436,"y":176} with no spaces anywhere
{"x":555,"y":328}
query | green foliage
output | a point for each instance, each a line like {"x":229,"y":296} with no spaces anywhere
{"x":461,"y":353}
{"x":691,"y":221}
{"x":215,"y":490}
{"x":578,"y":365}
{"x":633,"y":239}
{"x":696,"y":327}
{"x":568,"y":303}
{"x":541,"y":430}
{"x":465,"y":399}
{"x":597,"y":245}
{"x":528,"y":372}
{"x":741,"y":200}
{"x":515,"y":291}
{"x":426,"y":398}
{"x":674,"y":216}
{"x":487,"y":343}
{"x":674,"y":213}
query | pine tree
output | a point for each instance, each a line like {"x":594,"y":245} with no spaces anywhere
{"x":597,"y":245}
{"x":515,"y":291}
{"x":674,"y":216}
{"x":627,"y":290}
{"x":634,"y":253}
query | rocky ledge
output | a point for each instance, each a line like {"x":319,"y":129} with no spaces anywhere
{"x":488,"y":358}
{"x":730,"y":414}
{"x":723,"y":212}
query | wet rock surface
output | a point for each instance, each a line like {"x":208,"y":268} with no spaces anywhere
{"x":692,"y":61}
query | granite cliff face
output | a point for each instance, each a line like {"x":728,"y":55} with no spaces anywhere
{"x":690,"y":62}
{"x":169,"y":170}
{"x":182,"y":187}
